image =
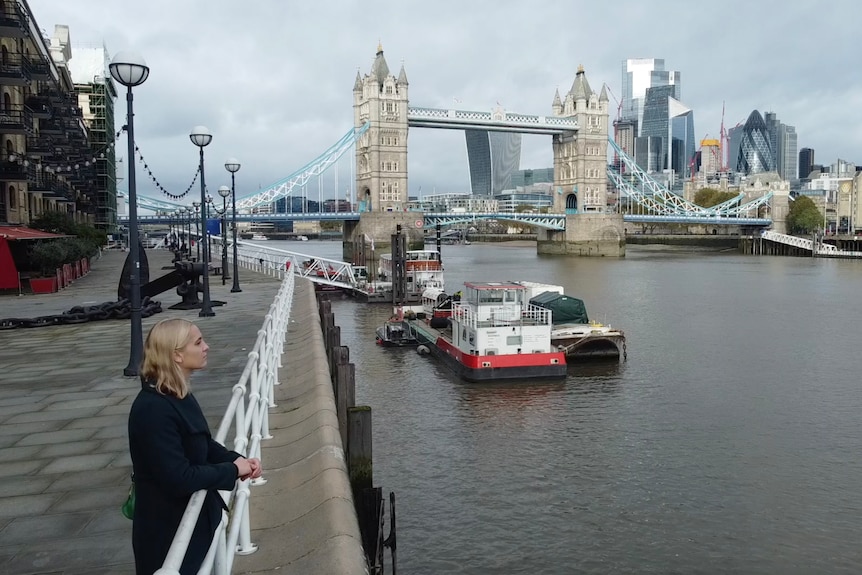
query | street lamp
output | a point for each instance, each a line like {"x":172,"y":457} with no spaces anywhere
{"x":201,"y":137}
{"x":224,"y":192}
{"x":232,"y":165}
{"x":129,"y":69}
{"x":184,"y":237}
{"x":197,"y":208}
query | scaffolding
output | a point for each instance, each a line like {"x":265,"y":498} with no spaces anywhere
{"x":96,"y":99}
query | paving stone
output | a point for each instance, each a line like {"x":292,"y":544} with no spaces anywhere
{"x":109,"y":520}
{"x":116,"y":444}
{"x":51,"y":437}
{"x":12,"y":454}
{"x":21,"y":468}
{"x":12,"y":486}
{"x":101,"y":421}
{"x":100,"y":402}
{"x":92,"y":500}
{"x":44,"y":527}
{"x":25,"y":505}
{"x":32,"y":427}
{"x":71,"y":448}
{"x":19,"y":399}
{"x":90,"y":480}
{"x":58,"y":415}
{"x":86,"y":554}
{"x":93,"y":462}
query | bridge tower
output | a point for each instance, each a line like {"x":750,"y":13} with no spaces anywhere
{"x":380,"y":99}
{"x":580,"y":178}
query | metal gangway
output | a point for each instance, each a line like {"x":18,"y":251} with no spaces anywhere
{"x":817,"y":248}
{"x":274,"y":261}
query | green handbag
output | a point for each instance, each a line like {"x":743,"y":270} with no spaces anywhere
{"x":128,"y":507}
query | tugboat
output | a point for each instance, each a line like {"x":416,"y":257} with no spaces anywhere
{"x":493,"y":334}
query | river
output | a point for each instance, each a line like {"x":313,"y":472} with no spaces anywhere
{"x":727,"y":442}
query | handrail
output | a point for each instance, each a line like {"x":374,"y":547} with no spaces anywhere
{"x":247,"y":414}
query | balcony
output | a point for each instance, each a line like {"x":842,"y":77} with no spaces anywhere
{"x":40,"y":105}
{"x":16,"y":120}
{"x":13,"y":21}
{"x":51,"y":127}
{"x":39,"y":181}
{"x":13,"y":71}
{"x":37,"y":69}
{"x":12,"y":172}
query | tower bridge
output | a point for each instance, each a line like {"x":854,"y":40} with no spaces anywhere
{"x":579,"y":222}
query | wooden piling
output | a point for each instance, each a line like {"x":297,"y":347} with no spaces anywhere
{"x":359,"y":450}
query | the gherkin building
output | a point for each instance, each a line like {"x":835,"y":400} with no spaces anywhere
{"x":755,"y":151}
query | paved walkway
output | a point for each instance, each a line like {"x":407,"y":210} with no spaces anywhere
{"x":63,"y":414}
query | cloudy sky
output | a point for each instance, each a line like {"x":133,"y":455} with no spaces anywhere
{"x":273,"y":79}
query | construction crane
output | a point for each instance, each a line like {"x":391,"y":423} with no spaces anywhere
{"x":617,"y":120}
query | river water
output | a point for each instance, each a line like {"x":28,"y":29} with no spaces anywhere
{"x":728,"y":442}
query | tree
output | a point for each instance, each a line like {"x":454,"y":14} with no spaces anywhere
{"x":708,"y":197}
{"x":804,"y":217}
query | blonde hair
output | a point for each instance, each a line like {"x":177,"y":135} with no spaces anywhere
{"x":159,"y":366}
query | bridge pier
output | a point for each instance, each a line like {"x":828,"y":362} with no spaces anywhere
{"x":371,"y":236}
{"x":589,"y":234}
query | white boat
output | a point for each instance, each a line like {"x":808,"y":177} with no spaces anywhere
{"x":259,"y":238}
{"x":302,"y":238}
{"x":423,"y":269}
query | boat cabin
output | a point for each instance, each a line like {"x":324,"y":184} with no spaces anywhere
{"x":496,"y":318}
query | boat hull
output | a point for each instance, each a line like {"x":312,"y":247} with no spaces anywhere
{"x":487,"y":368}
{"x":591,"y":344}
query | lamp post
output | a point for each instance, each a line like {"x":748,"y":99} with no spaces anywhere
{"x":201,"y":137}
{"x":197,"y":208}
{"x":224,"y":192}
{"x":232,"y":165}
{"x":129,"y":69}
{"x":181,"y":228}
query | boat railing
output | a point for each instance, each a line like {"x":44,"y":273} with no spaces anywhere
{"x":500,"y":316}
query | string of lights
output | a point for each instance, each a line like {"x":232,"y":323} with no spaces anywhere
{"x":158,"y":185}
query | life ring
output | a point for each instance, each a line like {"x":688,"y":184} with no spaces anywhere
{"x":419,"y":223}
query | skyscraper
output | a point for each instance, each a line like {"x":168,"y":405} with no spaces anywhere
{"x":640,"y":74}
{"x":667,"y":140}
{"x":806,"y":162}
{"x":764,"y":145}
{"x":783,"y":141}
{"x":493,"y":158}
{"x":755,"y":147}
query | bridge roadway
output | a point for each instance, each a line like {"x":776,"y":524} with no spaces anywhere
{"x":63,"y":411}
{"x":431,"y":219}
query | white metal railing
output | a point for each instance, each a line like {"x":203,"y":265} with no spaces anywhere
{"x":247,"y":416}
{"x":493,"y":316}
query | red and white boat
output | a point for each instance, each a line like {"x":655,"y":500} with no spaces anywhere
{"x":494,"y":333}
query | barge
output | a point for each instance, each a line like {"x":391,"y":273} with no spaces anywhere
{"x":493,"y":334}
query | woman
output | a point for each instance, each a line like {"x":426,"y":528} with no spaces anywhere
{"x":173,"y":453}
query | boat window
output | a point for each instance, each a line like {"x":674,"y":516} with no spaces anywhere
{"x":513,"y":340}
{"x":511,"y":296}
{"x":491,"y":296}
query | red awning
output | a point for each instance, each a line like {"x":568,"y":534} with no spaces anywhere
{"x":25,"y":233}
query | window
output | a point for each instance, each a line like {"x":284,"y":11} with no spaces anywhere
{"x":389,"y":90}
{"x":13,"y":198}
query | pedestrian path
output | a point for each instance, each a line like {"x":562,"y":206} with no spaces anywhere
{"x":64,"y":464}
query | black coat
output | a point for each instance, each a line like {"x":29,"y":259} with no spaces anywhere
{"x":174,"y":455}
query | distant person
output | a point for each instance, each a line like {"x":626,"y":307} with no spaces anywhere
{"x":173,"y":452}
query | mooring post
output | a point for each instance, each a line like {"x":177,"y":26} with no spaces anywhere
{"x":345,"y":395}
{"x":368,"y":499}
